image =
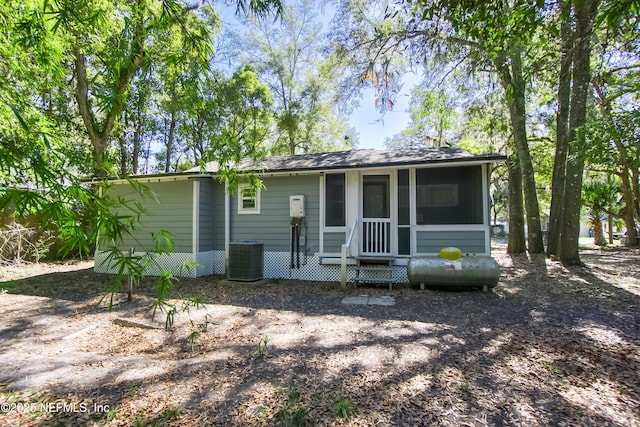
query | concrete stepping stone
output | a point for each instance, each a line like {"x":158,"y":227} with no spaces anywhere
{"x":367,"y":300}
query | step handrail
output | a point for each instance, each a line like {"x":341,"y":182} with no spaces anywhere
{"x":343,"y":255}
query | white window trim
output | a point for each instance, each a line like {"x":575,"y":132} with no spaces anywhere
{"x":248,"y":211}
{"x":333,"y":228}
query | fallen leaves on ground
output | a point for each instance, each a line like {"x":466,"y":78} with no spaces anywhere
{"x":550,"y":346}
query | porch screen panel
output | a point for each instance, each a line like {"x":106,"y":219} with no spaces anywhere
{"x":335,"y":200}
{"x":375,"y":198}
{"x":449,"y":195}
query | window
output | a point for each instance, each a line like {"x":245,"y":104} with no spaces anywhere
{"x":334,"y":206}
{"x":248,"y":199}
{"x":450,"y":195}
{"x":403,"y":197}
{"x":404,"y":213}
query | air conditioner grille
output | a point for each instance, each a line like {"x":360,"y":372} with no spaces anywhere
{"x":245,"y":261}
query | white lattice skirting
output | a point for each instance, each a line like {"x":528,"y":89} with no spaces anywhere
{"x":211,"y":262}
{"x":277,"y":265}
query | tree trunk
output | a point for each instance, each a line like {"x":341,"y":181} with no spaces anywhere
{"x":135,"y":152}
{"x":610,"y":227}
{"x":635,"y":181}
{"x":598,"y":234}
{"x":197,"y":126}
{"x":122,"y":145}
{"x":147,"y":156}
{"x":627,"y":179}
{"x":514,"y":84}
{"x":172,"y":128}
{"x":99,"y":133}
{"x":99,"y":148}
{"x":627,"y":194}
{"x":292,"y":143}
{"x":629,"y":209}
{"x":98,"y":137}
{"x":122,"y":142}
{"x":516,"y":243}
{"x":585,"y":12}
{"x":562,"y":124}
{"x":137,"y":142}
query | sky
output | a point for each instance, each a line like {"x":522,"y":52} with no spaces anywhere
{"x":373,"y":129}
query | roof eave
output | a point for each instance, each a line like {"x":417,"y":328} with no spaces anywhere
{"x":379,"y":165}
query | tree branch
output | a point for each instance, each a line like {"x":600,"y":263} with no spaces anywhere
{"x":82,"y":94}
{"x":132,"y":64}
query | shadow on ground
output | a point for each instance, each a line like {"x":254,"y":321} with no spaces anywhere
{"x":550,"y":345}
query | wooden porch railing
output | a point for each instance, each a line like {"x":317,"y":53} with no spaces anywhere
{"x":376,"y":236}
{"x":344,"y":254}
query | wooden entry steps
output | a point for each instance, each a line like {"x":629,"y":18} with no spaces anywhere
{"x":376,"y":270}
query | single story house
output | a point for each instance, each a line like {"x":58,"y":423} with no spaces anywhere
{"x":318,"y":211}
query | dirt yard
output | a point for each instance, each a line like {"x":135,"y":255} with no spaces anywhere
{"x":549,"y":346}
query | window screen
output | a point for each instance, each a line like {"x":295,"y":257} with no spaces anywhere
{"x":403,"y":197}
{"x":248,"y":199}
{"x":449,"y":195}
{"x":334,"y":200}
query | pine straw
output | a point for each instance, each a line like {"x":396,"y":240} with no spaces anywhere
{"x":549,"y":346}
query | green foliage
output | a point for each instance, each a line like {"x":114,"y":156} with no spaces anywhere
{"x":344,"y":407}
{"x":287,"y":57}
{"x":605,"y":134}
{"x":163,"y":286}
{"x":293,"y":414}
{"x":261,"y":348}
{"x":601,"y":197}
{"x":243,"y":109}
{"x":466,"y":388}
{"x":120,"y":219}
{"x":38,"y":152}
{"x":435,"y":115}
{"x":234,"y":122}
{"x":94,"y":51}
{"x":198,"y":330}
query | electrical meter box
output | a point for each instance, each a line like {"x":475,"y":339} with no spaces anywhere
{"x":296,"y":206}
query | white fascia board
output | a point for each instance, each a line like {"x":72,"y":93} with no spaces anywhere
{"x":148,"y":179}
{"x":383,"y":168}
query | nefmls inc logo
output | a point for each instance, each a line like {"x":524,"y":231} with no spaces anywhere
{"x":73,"y":407}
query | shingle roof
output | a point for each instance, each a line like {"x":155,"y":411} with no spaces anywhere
{"x":357,"y":159}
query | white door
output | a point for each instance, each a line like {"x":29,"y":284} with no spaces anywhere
{"x":376,"y":215}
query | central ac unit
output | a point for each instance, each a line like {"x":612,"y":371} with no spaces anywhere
{"x":245,"y":261}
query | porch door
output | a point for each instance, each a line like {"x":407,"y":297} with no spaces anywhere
{"x":376,"y":215}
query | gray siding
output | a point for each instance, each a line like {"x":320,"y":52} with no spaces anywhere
{"x":466,"y":241}
{"x":207,"y":216}
{"x":272,"y":225}
{"x":333,"y":242}
{"x":218,"y":215}
{"x":172,"y":212}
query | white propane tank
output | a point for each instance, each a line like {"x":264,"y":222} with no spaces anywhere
{"x":466,"y":271}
